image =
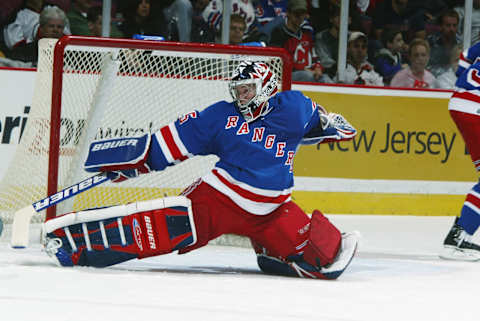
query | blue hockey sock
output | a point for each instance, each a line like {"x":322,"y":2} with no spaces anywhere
{"x":470,"y":214}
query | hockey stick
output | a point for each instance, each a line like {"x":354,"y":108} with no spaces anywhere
{"x":22,"y":217}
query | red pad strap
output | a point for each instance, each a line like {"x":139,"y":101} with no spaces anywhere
{"x":324,"y":241}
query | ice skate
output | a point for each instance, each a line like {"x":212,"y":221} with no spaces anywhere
{"x":457,"y":245}
{"x":53,"y":248}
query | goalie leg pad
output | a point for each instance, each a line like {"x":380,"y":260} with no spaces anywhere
{"x":324,"y":254}
{"x":296,"y":266}
{"x":111,"y":235}
{"x":323,"y":241}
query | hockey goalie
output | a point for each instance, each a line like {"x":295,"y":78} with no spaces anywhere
{"x":247,"y":193}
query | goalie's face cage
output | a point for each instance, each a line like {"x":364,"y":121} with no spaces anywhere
{"x":251,"y":87}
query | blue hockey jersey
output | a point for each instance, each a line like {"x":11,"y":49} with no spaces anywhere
{"x":256,"y":159}
{"x":466,"y":97}
{"x":467,"y":58}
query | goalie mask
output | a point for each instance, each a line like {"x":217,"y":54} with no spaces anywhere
{"x":252,"y":85}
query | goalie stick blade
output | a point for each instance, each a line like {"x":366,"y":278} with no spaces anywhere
{"x":21,"y":227}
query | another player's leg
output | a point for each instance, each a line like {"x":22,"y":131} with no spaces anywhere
{"x":295,"y":245}
{"x":457,"y":244}
{"x":111,"y":235}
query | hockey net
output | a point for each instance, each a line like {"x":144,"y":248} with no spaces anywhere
{"x":91,"y":88}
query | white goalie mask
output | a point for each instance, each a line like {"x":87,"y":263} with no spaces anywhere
{"x":252,"y":85}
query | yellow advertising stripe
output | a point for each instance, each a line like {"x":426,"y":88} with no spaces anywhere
{"x":399,"y":138}
{"x":379,"y":203}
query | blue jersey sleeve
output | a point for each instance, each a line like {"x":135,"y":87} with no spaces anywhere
{"x":470,"y":78}
{"x":197,"y":132}
{"x":467,"y":58}
{"x":299,"y":112}
{"x":190,"y":135}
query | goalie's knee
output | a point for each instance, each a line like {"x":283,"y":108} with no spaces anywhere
{"x":107,"y":236}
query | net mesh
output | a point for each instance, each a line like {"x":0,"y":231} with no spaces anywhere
{"x":148,"y":89}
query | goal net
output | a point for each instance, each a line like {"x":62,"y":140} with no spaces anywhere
{"x":92,"y":88}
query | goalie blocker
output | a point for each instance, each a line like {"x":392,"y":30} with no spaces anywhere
{"x":111,"y":235}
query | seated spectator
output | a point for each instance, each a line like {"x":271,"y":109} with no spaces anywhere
{"x":447,"y":79}
{"x":389,"y":59}
{"x":79,"y":24}
{"x":52,"y":24}
{"x":442,"y":42}
{"x":140,"y":20}
{"x":213,"y":13}
{"x":359,"y":71}
{"x":237,"y":29}
{"x":475,"y":31}
{"x":326,"y":42}
{"x":77,"y":15}
{"x":25,"y":27}
{"x":296,"y":37}
{"x":94,"y":22}
{"x":201,"y":32}
{"x":415,"y":75}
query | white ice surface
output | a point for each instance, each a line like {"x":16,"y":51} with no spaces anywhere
{"x":396,"y":276}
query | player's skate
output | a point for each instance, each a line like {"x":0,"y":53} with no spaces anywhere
{"x":53,"y":248}
{"x":457,"y":245}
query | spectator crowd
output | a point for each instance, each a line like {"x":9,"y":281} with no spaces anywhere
{"x":397,"y":43}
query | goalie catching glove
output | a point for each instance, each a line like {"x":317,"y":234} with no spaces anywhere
{"x":121,"y":158}
{"x":333,"y":127}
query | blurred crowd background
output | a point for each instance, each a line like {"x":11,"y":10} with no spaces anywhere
{"x":397,"y":43}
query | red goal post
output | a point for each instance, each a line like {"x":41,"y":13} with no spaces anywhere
{"x":88,"y":87}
